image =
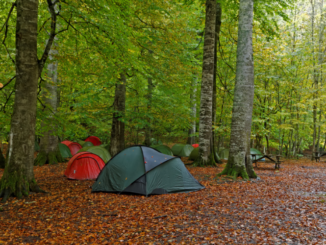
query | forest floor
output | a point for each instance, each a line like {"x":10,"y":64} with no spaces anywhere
{"x":282,"y":207}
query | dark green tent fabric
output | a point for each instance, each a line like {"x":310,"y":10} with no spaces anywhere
{"x":87,"y":143}
{"x":36,"y":146}
{"x":195,"y":153}
{"x":182,"y":150}
{"x":143,"y":170}
{"x":101,"y":152}
{"x":64,"y":150}
{"x":163,"y":149}
{"x":84,"y":149}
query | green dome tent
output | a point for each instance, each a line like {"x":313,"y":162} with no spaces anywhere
{"x":84,"y":149}
{"x":101,"y":152}
{"x":64,"y":150}
{"x":182,"y":150}
{"x":195,"y":153}
{"x":163,"y":149}
{"x":145,"y":171}
{"x":36,"y":146}
{"x":87,"y":143}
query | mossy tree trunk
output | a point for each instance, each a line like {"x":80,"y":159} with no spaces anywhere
{"x":49,"y":150}
{"x":18,"y":178}
{"x":205,"y":120}
{"x":117,"y":142}
{"x":239,"y":163}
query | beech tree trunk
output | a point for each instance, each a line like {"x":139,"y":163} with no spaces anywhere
{"x":49,"y":150}
{"x":193,"y":105}
{"x":205,"y":120}
{"x":18,"y":178}
{"x":243,"y":99}
{"x":148,"y":129}
{"x":117,"y":142}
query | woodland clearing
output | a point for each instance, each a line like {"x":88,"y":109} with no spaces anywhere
{"x":285,"y":206}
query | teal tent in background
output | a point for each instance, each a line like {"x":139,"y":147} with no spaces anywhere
{"x":99,"y":151}
{"x":195,"y":153}
{"x":64,"y":150}
{"x":144,"y":170}
{"x":163,"y":149}
{"x":259,"y":154}
{"x":182,"y":150}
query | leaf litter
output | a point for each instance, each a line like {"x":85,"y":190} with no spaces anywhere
{"x":282,"y":207}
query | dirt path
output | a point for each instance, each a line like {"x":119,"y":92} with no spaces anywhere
{"x":283,"y":207}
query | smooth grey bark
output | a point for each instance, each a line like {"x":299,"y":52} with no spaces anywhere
{"x":148,"y":129}
{"x":18,"y":178}
{"x":243,"y":98}
{"x":205,"y":119}
{"x":193,"y":105}
{"x":117,"y":142}
{"x":214,"y":107}
{"x":49,"y":151}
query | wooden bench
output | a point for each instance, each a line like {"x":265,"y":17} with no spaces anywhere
{"x":277,"y":162}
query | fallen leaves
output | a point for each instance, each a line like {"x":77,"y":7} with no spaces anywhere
{"x":285,"y":206}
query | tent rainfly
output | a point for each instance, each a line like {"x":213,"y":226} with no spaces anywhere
{"x":145,"y":171}
{"x":64,"y":150}
{"x":74,"y":147}
{"x":259,"y":154}
{"x":95,"y":140}
{"x":163,"y":149}
{"x":98,"y":150}
{"x":195,"y":145}
{"x":182,"y":150}
{"x":84,"y":165}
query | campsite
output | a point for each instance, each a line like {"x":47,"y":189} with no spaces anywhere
{"x":162,"y":122}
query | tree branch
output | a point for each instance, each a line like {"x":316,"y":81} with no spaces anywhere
{"x":8,"y":82}
{"x":5,"y":25}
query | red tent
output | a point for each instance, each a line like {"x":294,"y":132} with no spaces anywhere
{"x":95,"y":140}
{"x":74,"y":147}
{"x":195,"y":145}
{"x":84,"y":165}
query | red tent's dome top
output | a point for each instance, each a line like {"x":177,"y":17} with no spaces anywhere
{"x":74,"y":147}
{"x":84,"y":165}
{"x":95,"y":140}
{"x":195,"y":145}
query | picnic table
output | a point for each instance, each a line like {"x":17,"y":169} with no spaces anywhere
{"x":277,"y":161}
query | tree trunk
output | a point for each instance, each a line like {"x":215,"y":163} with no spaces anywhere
{"x":193,"y":105}
{"x":18,"y":178}
{"x":205,"y":118}
{"x":148,"y":129}
{"x":238,"y":162}
{"x":117,"y":143}
{"x":49,"y":150}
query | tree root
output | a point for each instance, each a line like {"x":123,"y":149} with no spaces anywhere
{"x":17,"y":186}
{"x":51,"y":158}
{"x":234,"y":172}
